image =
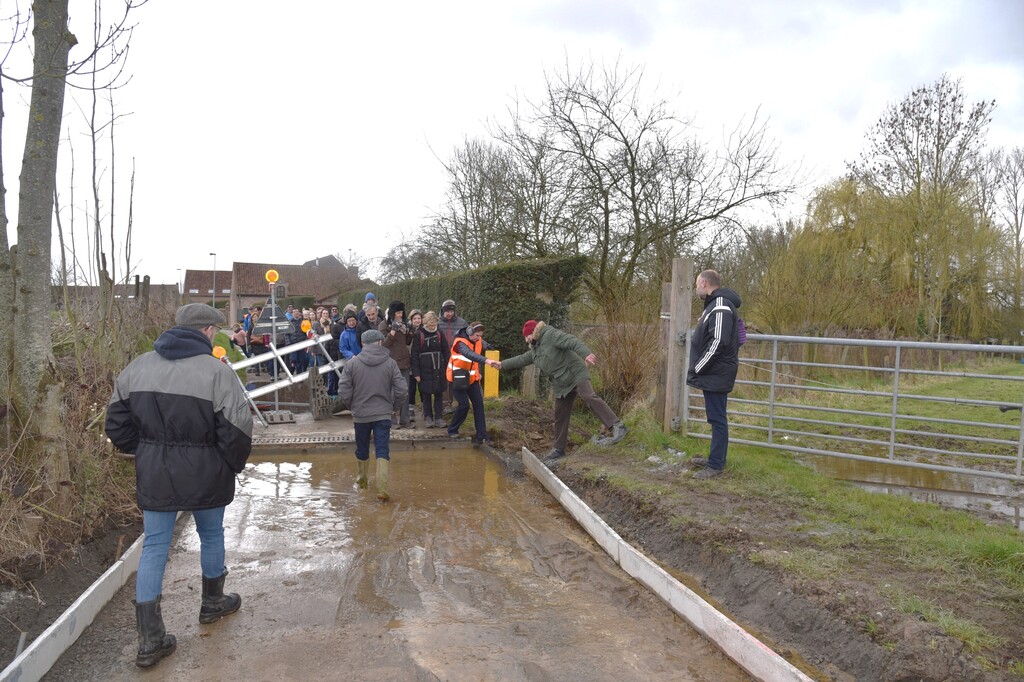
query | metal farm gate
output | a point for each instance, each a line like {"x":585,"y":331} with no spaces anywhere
{"x":940,"y":406}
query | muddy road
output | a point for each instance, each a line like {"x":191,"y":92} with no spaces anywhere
{"x":466,"y":575}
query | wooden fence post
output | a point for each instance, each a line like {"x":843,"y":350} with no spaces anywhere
{"x":677,"y":346}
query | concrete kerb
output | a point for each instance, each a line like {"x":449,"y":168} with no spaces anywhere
{"x":43,"y":652}
{"x":746,"y":650}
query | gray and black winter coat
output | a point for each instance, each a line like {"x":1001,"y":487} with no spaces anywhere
{"x":183,"y":414}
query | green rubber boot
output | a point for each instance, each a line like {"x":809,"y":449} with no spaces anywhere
{"x":383,"y":476}
{"x":363,"y":468}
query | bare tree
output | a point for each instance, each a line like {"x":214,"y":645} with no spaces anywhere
{"x":596,"y":167}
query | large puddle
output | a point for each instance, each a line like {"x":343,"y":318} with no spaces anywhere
{"x":465,"y":575}
{"x":981,"y":494}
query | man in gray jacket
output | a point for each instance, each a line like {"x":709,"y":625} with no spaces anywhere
{"x":184,"y":416}
{"x":371,"y":385}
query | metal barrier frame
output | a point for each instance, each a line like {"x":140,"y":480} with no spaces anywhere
{"x":762,"y":416}
{"x":280,"y":356}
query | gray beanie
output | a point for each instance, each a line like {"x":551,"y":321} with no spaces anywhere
{"x":448,"y":305}
{"x":198,"y":316}
{"x":372,"y":336}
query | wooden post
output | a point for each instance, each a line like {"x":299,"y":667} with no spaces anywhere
{"x":662,"y":375}
{"x":677,"y":347}
{"x":529,"y":389}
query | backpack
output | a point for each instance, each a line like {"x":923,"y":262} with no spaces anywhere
{"x":741,"y":331}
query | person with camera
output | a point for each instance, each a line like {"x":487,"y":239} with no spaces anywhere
{"x":397,"y":337}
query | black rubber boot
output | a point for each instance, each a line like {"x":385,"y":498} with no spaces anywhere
{"x":154,"y":642}
{"x":216,"y":604}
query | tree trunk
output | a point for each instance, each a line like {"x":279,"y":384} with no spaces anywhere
{"x":32,"y":345}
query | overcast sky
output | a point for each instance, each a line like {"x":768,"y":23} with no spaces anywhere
{"x":278,"y":132}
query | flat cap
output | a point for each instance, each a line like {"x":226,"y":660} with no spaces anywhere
{"x":198,"y":316}
{"x":372,"y":336}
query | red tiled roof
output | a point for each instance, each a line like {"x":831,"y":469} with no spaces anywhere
{"x":202,"y":280}
{"x":301,"y":280}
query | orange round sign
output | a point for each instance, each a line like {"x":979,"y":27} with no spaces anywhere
{"x":219,"y":352}
{"x":305,"y":326}
{"x":272,"y":276}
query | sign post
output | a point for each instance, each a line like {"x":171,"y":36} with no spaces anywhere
{"x":272,"y":278}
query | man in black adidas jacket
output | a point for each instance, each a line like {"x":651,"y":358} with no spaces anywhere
{"x":714,"y":359}
{"x":183,"y":414}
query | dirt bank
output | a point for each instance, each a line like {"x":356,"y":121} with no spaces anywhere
{"x":843,"y":622}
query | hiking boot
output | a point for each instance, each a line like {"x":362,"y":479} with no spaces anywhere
{"x":554,"y":458}
{"x":698,"y":462}
{"x":383,"y":478}
{"x":362,"y":472}
{"x":216,"y":604}
{"x":154,"y":642}
{"x":618,"y":433}
{"x":440,"y":424}
{"x":480,"y":441}
{"x":707,"y":473}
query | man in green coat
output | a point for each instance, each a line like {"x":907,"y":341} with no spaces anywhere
{"x":564,"y":358}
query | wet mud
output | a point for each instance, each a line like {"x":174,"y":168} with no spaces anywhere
{"x":466,"y":574}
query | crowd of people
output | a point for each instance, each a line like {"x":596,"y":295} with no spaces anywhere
{"x":439,"y":357}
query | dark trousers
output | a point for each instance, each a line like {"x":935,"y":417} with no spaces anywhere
{"x":714,"y":407}
{"x":381,"y":432}
{"x":433,"y":406}
{"x":563,"y":411}
{"x":332,"y":383}
{"x":413,"y":386}
{"x":474,"y":395}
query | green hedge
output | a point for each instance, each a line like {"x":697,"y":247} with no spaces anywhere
{"x":501,"y":296}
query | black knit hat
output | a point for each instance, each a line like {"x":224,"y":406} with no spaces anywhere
{"x":394,"y":308}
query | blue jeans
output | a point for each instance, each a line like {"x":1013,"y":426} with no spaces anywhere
{"x":381,"y":431}
{"x":474,"y":395}
{"x":159,"y":527}
{"x":714,"y":406}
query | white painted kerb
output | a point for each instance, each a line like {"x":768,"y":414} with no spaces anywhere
{"x":750,"y":653}
{"x":39,"y":657}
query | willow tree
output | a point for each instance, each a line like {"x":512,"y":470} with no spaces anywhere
{"x":922,"y":155}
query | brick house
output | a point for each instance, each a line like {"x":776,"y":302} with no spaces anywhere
{"x":318,"y":281}
{"x":198,"y":286}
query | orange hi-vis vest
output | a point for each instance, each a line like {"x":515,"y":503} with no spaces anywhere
{"x":457,"y":359}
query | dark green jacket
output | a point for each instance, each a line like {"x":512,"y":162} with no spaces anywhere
{"x":558,"y":355}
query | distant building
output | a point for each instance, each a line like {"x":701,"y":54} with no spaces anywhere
{"x":198,"y":287}
{"x":317,"y":281}
{"x":313,"y":282}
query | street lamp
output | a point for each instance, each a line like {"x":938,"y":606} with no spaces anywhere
{"x":214,"y":278}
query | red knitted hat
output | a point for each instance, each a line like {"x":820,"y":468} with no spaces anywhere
{"x":529,"y":327}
